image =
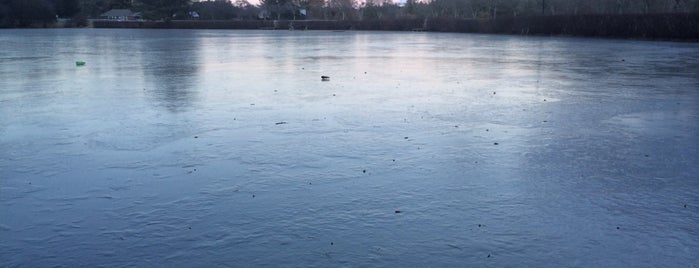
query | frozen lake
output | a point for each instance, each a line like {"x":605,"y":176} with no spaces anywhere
{"x":224,"y":148}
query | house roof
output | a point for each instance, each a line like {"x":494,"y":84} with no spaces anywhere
{"x":118,"y":13}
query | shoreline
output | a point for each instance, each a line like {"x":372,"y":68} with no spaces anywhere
{"x":682,"y":27}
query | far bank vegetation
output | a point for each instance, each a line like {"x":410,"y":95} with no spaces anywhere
{"x":587,"y":17}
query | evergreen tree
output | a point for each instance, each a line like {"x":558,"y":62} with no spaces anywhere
{"x":27,"y":12}
{"x":120,"y":4}
{"x":66,"y":8}
{"x":162,"y":9}
{"x":215,"y":10}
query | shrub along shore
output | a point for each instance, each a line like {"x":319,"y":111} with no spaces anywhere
{"x":679,"y":27}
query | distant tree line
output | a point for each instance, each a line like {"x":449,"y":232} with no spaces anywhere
{"x":20,"y":13}
{"x":26,"y":12}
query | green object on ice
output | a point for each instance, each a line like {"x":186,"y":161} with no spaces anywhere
{"x":79,"y":63}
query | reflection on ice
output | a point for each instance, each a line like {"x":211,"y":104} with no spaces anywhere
{"x":204,"y":148}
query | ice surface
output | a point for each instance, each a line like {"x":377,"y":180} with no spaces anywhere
{"x":164,"y":150}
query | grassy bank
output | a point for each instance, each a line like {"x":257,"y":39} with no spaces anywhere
{"x":682,"y":26}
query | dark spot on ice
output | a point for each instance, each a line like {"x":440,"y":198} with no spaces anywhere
{"x":195,"y":169}
{"x":493,"y":92}
{"x":685,"y":205}
{"x":280,"y":123}
{"x":544,"y":99}
{"x":487,"y":129}
{"x":275,"y":90}
{"x":456,"y":126}
{"x":405,"y":138}
{"x":333,"y":95}
{"x":545,"y":121}
{"x":623,"y":60}
{"x":495,"y":143}
{"x":364,"y":72}
{"x":303,"y":68}
{"x":252,"y":104}
{"x":394,"y":160}
{"x":617,"y":227}
{"x":364,"y":171}
{"x":488,"y":255}
{"x":331,"y":243}
{"x":189,"y":227}
{"x":397,"y":211}
{"x":196,"y":137}
{"x":324,"y":78}
{"x":253,"y":196}
{"x":479,"y":225}
{"x":647,"y":155}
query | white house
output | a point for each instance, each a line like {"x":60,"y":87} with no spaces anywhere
{"x":120,"y":15}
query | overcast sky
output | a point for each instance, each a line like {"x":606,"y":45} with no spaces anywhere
{"x":255,"y":2}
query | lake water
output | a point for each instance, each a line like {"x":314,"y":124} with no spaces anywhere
{"x":224,"y":148}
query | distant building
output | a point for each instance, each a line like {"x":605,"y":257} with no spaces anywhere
{"x":379,"y":2}
{"x":120,"y":15}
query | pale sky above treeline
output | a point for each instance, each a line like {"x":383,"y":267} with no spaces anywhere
{"x":256,"y":2}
